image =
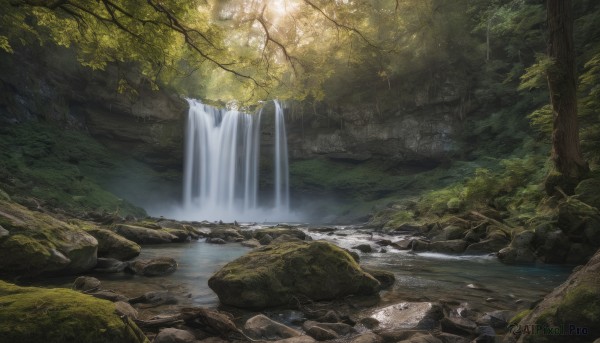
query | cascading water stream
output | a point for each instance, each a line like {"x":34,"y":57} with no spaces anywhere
{"x":221,"y":167}
{"x":282,"y":187}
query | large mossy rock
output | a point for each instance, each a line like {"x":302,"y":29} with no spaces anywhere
{"x":143,"y":235}
{"x":275,"y":275}
{"x":33,"y":315}
{"x":40,"y":244}
{"x":112,"y":245}
{"x":277,"y":231}
{"x":574,"y":303}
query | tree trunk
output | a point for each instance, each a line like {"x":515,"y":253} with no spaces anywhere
{"x":566,"y":152}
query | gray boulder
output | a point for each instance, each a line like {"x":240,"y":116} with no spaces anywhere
{"x":172,"y":335}
{"x":264,"y":328}
{"x":456,"y":246}
{"x":154,"y":267}
{"x":143,"y":235}
{"x":275,"y":275}
{"x":112,"y":245}
{"x":408,"y":316}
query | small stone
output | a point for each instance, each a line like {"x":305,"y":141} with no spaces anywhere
{"x":409,"y":316}
{"x":496,"y":319}
{"x":110,"y":265}
{"x":154,"y":267}
{"x":339,"y":328}
{"x":384,"y":242}
{"x":172,"y":335}
{"x":251,"y":243}
{"x":364,"y":248}
{"x":478,"y":287}
{"x":387,"y":279}
{"x":155,"y":298}
{"x":214,"y":240}
{"x":86,"y":284}
{"x":321,"y":334}
{"x":329,"y":317}
{"x":263,"y":327}
{"x":266,"y":239}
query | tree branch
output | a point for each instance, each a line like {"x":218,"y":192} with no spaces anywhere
{"x":338,"y":24}
{"x":269,"y":38}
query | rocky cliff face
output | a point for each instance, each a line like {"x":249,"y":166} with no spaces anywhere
{"x":420,"y":129}
{"x":403,"y":138}
{"x":141,"y":125}
{"x":148,"y":124}
{"x":49,"y":84}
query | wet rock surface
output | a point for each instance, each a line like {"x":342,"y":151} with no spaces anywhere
{"x":153,"y":267}
{"x":263,"y":328}
{"x":284,"y":271}
{"x":276,"y":274}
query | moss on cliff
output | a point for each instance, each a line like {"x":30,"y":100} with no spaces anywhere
{"x":53,"y":167}
{"x":32,"y":315}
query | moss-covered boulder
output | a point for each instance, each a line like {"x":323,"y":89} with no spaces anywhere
{"x":226,"y":233}
{"x":576,"y":218}
{"x":40,"y":244}
{"x":112,"y":245}
{"x":143,"y":235}
{"x":588,"y":191}
{"x":520,"y":250}
{"x":385,"y":278}
{"x":33,"y":315}
{"x":277,"y":231}
{"x":275,"y":275}
{"x":572,"y":310}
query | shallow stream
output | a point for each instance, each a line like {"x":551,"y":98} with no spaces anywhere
{"x":481,"y":281}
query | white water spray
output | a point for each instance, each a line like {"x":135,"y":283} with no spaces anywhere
{"x":221,"y":167}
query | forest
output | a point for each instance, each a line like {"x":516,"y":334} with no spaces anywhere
{"x":299,"y":170}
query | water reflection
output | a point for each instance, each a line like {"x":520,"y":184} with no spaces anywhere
{"x":481,"y":281}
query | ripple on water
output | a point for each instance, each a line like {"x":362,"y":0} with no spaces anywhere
{"x":422,"y":276}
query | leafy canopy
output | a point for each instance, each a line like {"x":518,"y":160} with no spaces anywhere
{"x":251,"y":49}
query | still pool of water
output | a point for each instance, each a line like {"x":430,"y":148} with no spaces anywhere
{"x":481,"y":281}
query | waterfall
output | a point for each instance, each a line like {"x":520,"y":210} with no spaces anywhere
{"x":282,"y":187}
{"x":221,"y":165}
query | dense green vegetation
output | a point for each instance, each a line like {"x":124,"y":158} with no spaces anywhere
{"x":66,"y":169}
{"x":484,"y":61}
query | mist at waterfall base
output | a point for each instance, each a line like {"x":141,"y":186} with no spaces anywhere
{"x":221,"y":178}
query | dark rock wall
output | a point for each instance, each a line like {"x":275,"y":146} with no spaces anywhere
{"x":44,"y":83}
{"x":48,"y":83}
